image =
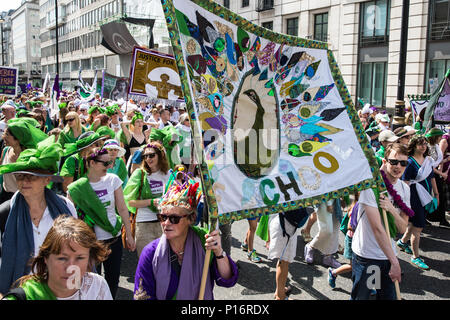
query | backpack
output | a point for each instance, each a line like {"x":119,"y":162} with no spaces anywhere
{"x":57,"y":187}
{"x":18,"y":293}
{"x":296,"y":217}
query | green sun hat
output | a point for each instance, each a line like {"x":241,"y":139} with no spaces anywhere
{"x":26,"y":131}
{"x":40,"y":161}
{"x":434,"y":132}
{"x":85,"y":140}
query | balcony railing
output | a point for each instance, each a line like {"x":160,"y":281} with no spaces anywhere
{"x":440,"y":31}
{"x":263,"y":5}
{"x":373,"y":41}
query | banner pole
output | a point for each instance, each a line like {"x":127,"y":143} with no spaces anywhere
{"x":397,"y":286}
{"x":204,"y":275}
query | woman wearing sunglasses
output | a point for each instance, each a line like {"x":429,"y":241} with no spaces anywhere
{"x":98,"y":197}
{"x":143,"y":192}
{"x":171,"y":267}
{"x":419,"y":175}
{"x":31,"y":211}
{"x":73,"y":129}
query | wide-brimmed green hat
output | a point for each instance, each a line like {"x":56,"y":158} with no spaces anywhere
{"x":26,"y":131}
{"x":40,"y":161}
{"x":85,"y":140}
{"x":434,"y":132}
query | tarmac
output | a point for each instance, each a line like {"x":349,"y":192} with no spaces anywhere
{"x":309,"y":282}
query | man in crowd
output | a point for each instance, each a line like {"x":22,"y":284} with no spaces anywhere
{"x":373,"y":250}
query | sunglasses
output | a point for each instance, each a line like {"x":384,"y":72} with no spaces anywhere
{"x":105,"y":163}
{"x":71,"y":119}
{"x":174,"y":219}
{"x":394,"y":162}
{"x":24,"y":176}
{"x":149,"y":155}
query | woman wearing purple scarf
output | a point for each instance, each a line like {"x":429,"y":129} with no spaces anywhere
{"x":171,"y":267}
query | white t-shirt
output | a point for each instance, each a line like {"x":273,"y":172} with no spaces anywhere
{"x":157,"y":182}
{"x":2,"y":129}
{"x":41,"y":231}
{"x":162,"y":126}
{"x":364,"y":243}
{"x":105,"y":191}
{"x":93,"y":287}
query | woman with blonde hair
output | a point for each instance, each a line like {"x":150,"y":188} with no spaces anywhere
{"x":73,"y":129}
{"x":143,"y":192}
{"x":61,"y":269}
{"x":135,"y":136}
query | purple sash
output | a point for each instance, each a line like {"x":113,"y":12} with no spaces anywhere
{"x":191,"y":269}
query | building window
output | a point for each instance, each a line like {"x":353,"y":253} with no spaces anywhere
{"x":374,"y":24}
{"x":321,"y":27}
{"x":268,"y":25}
{"x":245,"y":3}
{"x":439,"y":23}
{"x":226,"y":3}
{"x":292,"y":26}
{"x":372,"y":83}
{"x":75,"y":65}
{"x":98,"y":63}
{"x":436,"y":70}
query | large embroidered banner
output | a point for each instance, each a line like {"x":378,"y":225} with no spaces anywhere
{"x":154,"y":75}
{"x":285,"y":131}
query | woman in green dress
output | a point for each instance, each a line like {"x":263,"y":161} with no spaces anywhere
{"x":72,"y":130}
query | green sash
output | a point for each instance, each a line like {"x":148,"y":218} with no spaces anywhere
{"x":35,"y":290}
{"x":89,"y":207}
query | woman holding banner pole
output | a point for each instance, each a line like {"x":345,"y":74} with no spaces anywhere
{"x":171,"y":267}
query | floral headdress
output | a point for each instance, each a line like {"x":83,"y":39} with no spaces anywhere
{"x":185,"y":194}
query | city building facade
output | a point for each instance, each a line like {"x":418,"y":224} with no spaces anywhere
{"x":80,"y":37}
{"x":24,"y":43}
{"x":365,"y":39}
{"x":5,"y":36}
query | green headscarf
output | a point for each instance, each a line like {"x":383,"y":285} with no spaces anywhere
{"x":110,"y":110}
{"x":93,"y":109}
{"x":26,"y":131}
{"x":106,"y":131}
{"x":44,"y":158}
{"x":137,"y":115}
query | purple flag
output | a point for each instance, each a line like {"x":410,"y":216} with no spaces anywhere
{"x":56,"y":86}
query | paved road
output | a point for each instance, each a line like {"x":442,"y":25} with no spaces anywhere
{"x":309,"y":282}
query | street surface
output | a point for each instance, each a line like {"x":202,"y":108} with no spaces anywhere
{"x":309,"y":282}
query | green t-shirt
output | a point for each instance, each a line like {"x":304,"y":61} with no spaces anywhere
{"x":68,"y":137}
{"x":69,"y":167}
